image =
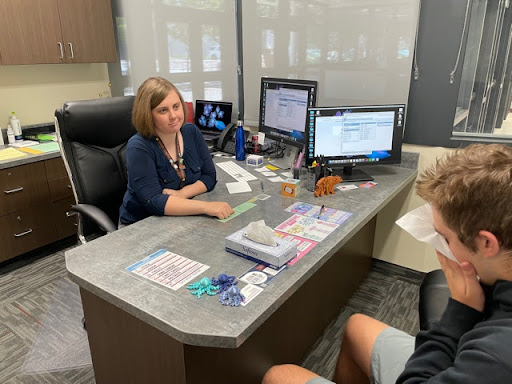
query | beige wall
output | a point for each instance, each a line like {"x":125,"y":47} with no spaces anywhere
{"x":393,"y":244}
{"x":35,"y":91}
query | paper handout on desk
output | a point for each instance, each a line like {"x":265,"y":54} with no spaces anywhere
{"x":238,"y":187}
{"x":10,"y":153}
{"x":168,"y":269}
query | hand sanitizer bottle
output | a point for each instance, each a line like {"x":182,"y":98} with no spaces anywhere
{"x":16,"y":126}
{"x":10,"y":134}
{"x":240,"y":142}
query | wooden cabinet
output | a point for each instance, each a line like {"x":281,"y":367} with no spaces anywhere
{"x":34,"y":207}
{"x":56,"y":31}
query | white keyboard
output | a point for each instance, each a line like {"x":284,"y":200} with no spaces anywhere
{"x":236,"y":171}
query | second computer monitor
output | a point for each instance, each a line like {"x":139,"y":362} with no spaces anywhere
{"x":346,"y":137}
{"x":283,"y":112}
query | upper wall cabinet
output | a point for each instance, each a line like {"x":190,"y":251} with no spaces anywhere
{"x":56,"y":31}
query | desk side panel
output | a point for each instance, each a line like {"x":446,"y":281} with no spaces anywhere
{"x":125,"y":349}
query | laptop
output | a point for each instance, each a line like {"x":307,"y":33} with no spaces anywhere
{"x":212,"y":117}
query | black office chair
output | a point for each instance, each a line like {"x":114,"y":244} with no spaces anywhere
{"x":434,"y":294}
{"x":93,"y":136}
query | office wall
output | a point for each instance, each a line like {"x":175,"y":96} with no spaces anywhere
{"x":393,"y":244}
{"x":35,"y":91}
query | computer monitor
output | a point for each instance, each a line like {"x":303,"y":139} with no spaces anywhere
{"x":212,"y":116}
{"x":349,"y":137}
{"x":283,"y":111}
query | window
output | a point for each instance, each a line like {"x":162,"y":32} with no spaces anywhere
{"x":356,"y":50}
{"x":189,"y":42}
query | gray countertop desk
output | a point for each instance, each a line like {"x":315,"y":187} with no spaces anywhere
{"x":30,"y":158}
{"x":140,"y":331}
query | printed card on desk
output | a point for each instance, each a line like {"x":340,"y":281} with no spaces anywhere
{"x":168,"y":269}
{"x":346,"y":187}
{"x":250,"y":291}
{"x":303,"y":245}
{"x":323,"y":213}
{"x":308,"y":227}
{"x":369,"y":184}
{"x":238,"y":187}
{"x":260,"y":275}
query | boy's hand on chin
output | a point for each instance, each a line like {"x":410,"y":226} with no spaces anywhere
{"x":463,"y":282}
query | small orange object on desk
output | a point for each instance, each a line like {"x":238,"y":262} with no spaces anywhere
{"x":290,"y":187}
{"x":325,"y":186}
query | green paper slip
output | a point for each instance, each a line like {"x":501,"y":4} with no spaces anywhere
{"x":46,"y":147}
{"x":244,"y":207}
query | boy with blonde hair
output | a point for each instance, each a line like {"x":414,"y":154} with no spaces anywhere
{"x":470,"y":192}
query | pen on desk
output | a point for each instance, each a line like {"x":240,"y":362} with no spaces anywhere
{"x":261,"y":183}
{"x":320,"y":212}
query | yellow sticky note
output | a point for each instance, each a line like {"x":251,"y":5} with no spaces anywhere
{"x":271,"y":167}
{"x":31,"y":150}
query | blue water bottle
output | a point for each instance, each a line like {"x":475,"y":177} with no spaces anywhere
{"x":240,"y":142}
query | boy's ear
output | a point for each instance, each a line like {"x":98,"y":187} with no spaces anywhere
{"x":487,"y":244}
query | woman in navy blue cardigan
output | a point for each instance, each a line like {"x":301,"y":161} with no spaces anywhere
{"x":168,"y":161}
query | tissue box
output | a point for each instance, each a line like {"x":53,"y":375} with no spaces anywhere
{"x":290,"y":187}
{"x":254,"y":160}
{"x":273,"y":256}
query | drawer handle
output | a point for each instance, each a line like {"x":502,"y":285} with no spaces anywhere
{"x":22,"y":233}
{"x":13,"y":190}
{"x":69,"y":214}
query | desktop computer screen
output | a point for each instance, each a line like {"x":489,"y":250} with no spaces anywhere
{"x":212,"y":116}
{"x":346,"y":137}
{"x":283,"y":109}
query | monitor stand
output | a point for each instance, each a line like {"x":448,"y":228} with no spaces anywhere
{"x":289,"y":156}
{"x":350,"y":174}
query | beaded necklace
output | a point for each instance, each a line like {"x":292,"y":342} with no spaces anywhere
{"x":178,"y":165}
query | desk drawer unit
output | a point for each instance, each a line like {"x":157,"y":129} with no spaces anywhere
{"x":25,"y":230}
{"x":64,"y":219}
{"x":60,"y":188}
{"x":23,"y":186}
{"x":34,"y":206}
{"x":58,"y":181}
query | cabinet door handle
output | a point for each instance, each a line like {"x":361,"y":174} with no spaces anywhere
{"x":69,"y":214}
{"x":22,"y":233}
{"x":61,"y":50}
{"x":71,"y":49}
{"x":14,"y":190}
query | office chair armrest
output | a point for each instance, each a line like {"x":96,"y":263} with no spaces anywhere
{"x":97,"y":215}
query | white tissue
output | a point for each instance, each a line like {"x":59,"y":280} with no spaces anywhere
{"x":419,"y":223}
{"x":257,"y":231}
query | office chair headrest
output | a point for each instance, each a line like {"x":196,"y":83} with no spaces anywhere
{"x":86,"y":121}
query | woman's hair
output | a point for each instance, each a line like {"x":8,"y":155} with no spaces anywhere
{"x":472,"y":190}
{"x":150,"y":94}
